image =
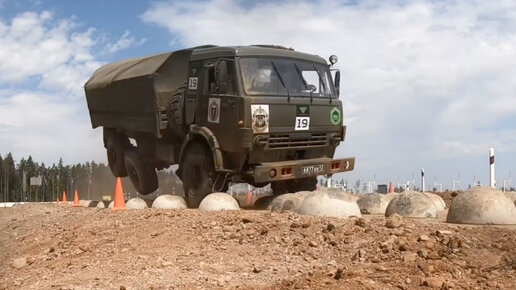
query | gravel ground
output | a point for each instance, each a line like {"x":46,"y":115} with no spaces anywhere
{"x":47,"y":246}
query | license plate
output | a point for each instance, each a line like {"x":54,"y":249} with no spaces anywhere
{"x":312,"y":169}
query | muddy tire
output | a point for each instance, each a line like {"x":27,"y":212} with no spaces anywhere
{"x":116,"y":145}
{"x":198,"y":172}
{"x":175,"y":113}
{"x":143,"y":177}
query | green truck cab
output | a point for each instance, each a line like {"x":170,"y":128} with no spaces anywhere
{"x":256,"y":114}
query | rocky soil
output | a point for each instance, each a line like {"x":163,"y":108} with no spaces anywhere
{"x":47,"y":246}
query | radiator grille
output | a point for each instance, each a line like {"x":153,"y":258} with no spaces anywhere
{"x":282,"y":141}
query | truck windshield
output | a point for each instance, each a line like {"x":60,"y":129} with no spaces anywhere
{"x":271,"y":76}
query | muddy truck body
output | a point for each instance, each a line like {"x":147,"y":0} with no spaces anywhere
{"x":255,"y":114}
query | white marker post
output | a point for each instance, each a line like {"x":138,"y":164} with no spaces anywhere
{"x":492,"y":181}
{"x":423,"y":179}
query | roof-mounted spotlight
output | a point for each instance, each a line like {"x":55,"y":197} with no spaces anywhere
{"x":333,"y":59}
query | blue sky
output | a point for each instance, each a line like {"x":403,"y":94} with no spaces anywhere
{"x":425,"y":83}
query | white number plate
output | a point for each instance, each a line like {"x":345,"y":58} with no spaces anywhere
{"x":302,"y":123}
{"x":312,"y":169}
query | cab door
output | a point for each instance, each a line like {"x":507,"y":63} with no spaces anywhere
{"x":221,"y":109}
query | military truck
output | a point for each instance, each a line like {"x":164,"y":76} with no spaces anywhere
{"x":257,"y":114}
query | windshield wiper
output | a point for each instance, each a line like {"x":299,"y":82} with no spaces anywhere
{"x":321,"y":80}
{"x":304,"y":82}
{"x":281,"y":79}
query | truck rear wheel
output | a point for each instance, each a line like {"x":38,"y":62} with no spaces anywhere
{"x":198,"y":173}
{"x":143,"y":177}
{"x":116,"y":145}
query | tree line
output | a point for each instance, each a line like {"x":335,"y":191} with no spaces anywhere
{"x":92,"y":180}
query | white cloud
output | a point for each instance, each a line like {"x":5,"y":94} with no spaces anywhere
{"x":44,"y":63}
{"x":47,"y":128}
{"x":125,"y":41}
{"x":423,"y":82}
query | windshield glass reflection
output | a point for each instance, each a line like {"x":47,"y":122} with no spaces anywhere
{"x":267,"y":76}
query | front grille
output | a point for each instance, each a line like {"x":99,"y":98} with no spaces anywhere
{"x":282,"y":141}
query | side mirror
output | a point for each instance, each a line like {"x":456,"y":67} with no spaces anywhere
{"x":221,"y":76}
{"x":337,"y":82}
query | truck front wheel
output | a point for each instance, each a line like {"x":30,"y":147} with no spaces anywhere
{"x":198,"y":173}
{"x":143,"y":177}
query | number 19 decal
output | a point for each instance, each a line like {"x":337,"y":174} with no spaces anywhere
{"x":302,"y":123}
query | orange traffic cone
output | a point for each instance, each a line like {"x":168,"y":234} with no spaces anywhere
{"x":391,"y":187}
{"x":57,"y":200}
{"x":119,"y":195}
{"x":64,"y":197}
{"x":76,"y":199}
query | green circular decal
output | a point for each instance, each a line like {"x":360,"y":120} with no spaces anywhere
{"x":335,"y":116}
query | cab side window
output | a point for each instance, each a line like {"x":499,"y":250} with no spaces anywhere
{"x":212,"y":87}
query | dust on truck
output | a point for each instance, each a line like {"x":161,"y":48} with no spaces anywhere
{"x":256,"y":114}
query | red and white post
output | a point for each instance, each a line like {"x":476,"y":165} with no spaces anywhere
{"x":423,"y":180}
{"x":492,"y":181}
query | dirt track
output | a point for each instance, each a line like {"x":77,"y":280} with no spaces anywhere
{"x":46,"y":246}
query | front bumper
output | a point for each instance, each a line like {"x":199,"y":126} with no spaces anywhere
{"x":294,"y":169}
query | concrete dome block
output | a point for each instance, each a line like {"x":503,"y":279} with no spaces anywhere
{"x":327,"y":204}
{"x":84,"y":202}
{"x":102,"y":204}
{"x":136,"y":203}
{"x":412,"y":204}
{"x":338,"y":193}
{"x":482,"y":205}
{"x":288,"y":201}
{"x":374,"y":203}
{"x":111,"y":204}
{"x":168,"y":201}
{"x":438,"y":201}
{"x":512,"y":196}
{"x":277,"y":203}
{"x":218,"y":201}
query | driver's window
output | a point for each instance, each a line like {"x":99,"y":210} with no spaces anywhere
{"x":312,"y":79}
{"x":211,"y":81}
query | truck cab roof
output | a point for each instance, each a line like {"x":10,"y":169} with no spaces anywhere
{"x":253,"y":50}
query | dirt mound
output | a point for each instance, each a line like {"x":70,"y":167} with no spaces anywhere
{"x":48,"y":246}
{"x":448,"y":196}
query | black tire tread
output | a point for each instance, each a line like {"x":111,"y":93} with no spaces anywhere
{"x":147,"y":178}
